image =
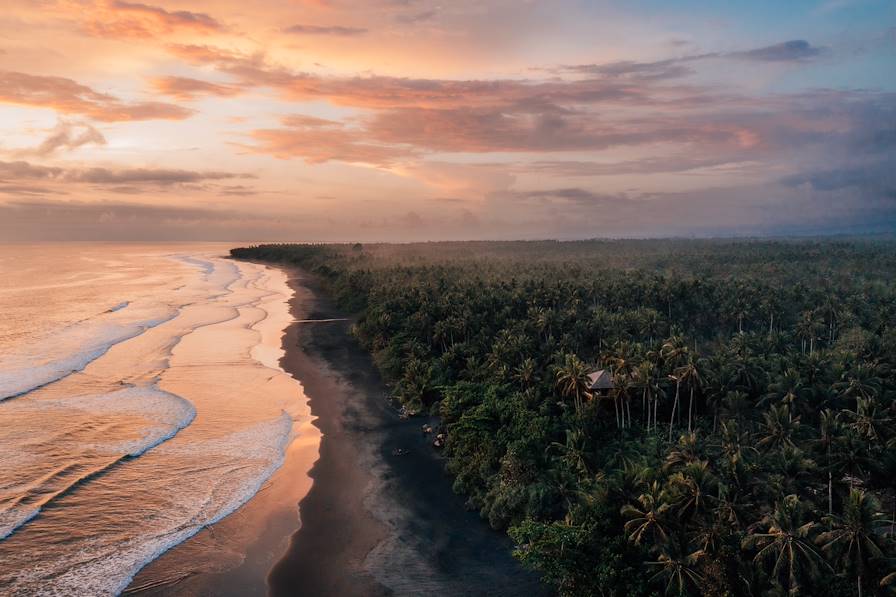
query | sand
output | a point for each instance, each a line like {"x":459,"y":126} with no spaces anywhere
{"x":373,"y":522}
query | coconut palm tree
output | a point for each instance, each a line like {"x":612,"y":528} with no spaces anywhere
{"x":694,"y":488}
{"x":855,"y":538}
{"x":573,"y":452}
{"x":779,"y":428}
{"x":677,"y":381}
{"x":807,"y":330}
{"x":867,"y":420}
{"x":859,"y":382}
{"x":829,"y":434}
{"x":786,"y":545}
{"x":690,"y":375}
{"x":644,"y":375}
{"x":677,"y":566}
{"x":572,"y":380}
{"x":736,"y":405}
{"x":650,"y":519}
{"x":787,"y":388}
{"x":527,"y":373}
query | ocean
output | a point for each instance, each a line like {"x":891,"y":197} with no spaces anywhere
{"x":141,"y":400}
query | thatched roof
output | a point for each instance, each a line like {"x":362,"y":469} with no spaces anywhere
{"x":600,"y":380}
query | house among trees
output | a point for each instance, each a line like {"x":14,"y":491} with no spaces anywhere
{"x":600,"y":382}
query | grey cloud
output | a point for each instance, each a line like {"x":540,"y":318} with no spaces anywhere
{"x":66,"y":136}
{"x":21,"y":170}
{"x":877,"y":178}
{"x":644,"y":166}
{"x":325,"y":30}
{"x":789,"y":51}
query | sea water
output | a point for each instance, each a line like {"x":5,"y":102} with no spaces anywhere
{"x":140,"y":400}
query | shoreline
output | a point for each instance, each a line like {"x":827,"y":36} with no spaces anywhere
{"x":406,"y":532}
{"x":372,"y":522}
{"x":233,"y":554}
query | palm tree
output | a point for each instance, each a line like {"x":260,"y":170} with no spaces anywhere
{"x":573,"y":452}
{"x":673,"y":351}
{"x":851,"y":457}
{"x":856,"y":538}
{"x":690,"y":374}
{"x":526,"y":373}
{"x":651,"y":518}
{"x":572,"y":380}
{"x":787,"y":388}
{"x":829,"y":434}
{"x":644,"y":374}
{"x":779,"y":427}
{"x":693,"y":487}
{"x":677,"y":565}
{"x":859,"y":382}
{"x":787,"y":544}
{"x":736,"y":404}
{"x":807,"y":330}
{"x":677,"y":381}
{"x":686,"y":451}
{"x":867,"y":421}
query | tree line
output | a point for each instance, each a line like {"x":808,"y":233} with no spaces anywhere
{"x":748,"y":446}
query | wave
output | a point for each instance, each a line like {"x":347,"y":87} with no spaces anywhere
{"x":246,"y":443}
{"x":18,"y":378}
{"x":170,"y":413}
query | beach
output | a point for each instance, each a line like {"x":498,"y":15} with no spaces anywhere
{"x":143,"y":403}
{"x":380,"y":517}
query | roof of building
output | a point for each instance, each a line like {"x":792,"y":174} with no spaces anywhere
{"x":600,"y":380}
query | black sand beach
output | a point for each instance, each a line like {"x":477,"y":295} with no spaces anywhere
{"x":380,"y":517}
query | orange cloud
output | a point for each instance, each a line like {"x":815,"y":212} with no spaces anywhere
{"x":117,"y":18}
{"x":70,"y":97}
{"x":317,"y":140}
{"x":66,"y":136}
{"x":185,"y":88}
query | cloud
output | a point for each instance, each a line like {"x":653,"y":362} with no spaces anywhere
{"x":672,"y":68}
{"x":70,"y":97}
{"x":653,"y":165}
{"x":317,"y":140}
{"x":416,"y":17}
{"x":546,"y":128}
{"x":574,"y":195}
{"x":789,"y":51}
{"x":67,"y":136}
{"x":875,"y":178}
{"x":117,"y":18}
{"x":186,"y":89}
{"x":22,"y":171}
{"x":325,"y":30}
{"x":32,"y":218}
{"x":746,"y":210}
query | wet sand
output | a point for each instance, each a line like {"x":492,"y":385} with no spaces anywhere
{"x":372,"y":523}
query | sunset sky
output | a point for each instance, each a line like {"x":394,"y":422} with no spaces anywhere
{"x":412,"y":119}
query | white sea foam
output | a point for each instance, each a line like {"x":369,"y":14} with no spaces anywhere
{"x":165,"y":413}
{"x":102,"y":569}
{"x":66,"y":352}
{"x":123,"y":473}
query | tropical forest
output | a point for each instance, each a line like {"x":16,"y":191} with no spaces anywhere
{"x":743,"y":441}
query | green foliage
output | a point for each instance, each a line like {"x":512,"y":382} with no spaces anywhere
{"x":748,"y":446}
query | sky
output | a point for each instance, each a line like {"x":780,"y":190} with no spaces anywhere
{"x":401,"y":120}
